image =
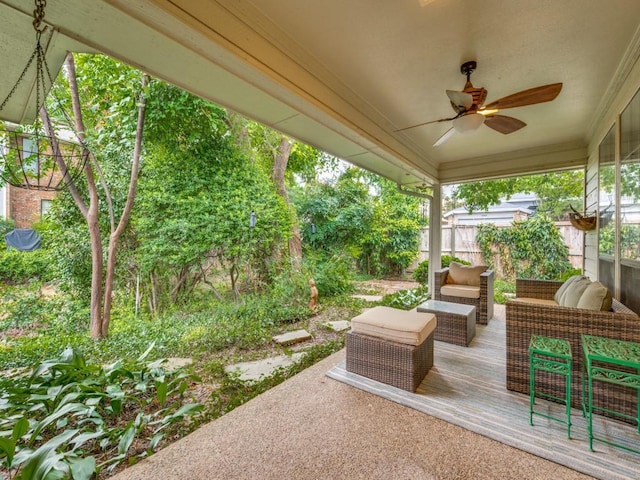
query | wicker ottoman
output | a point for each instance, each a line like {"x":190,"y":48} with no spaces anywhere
{"x":456,"y":321}
{"x":391,"y":346}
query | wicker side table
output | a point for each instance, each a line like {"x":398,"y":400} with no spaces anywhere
{"x":456,"y":321}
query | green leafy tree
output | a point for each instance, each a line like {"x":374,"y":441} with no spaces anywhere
{"x":554,"y":190}
{"x":284,"y":159}
{"x":104,"y":126}
{"x":393,"y":239}
{"x":341,"y":211}
{"x":195,"y":200}
{"x":364,"y":215}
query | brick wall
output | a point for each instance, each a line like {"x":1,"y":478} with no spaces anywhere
{"x":24,"y":206}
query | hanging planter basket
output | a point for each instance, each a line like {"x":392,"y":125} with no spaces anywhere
{"x":27,"y":160}
{"x":582,"y":222}
{"x":45,"y":155}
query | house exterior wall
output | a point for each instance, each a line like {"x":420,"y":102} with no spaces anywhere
{"x":627,"y":84}
{"x":591,"y":205}
{"x":24,"y":206}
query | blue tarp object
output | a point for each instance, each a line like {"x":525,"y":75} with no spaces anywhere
{"x":24,"y":239}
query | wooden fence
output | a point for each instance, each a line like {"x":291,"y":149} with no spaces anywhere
{"x":460,"y":241}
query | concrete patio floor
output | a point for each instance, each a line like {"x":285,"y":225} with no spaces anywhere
{"x":313,"y":427}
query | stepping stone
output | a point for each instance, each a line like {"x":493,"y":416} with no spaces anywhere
{"x":173,"y":363}
{"x":15,"y":372}
{"x":368,"y":298}
{"x":257,"y":370}
{"x":339,"y":325}
{"x":292,"y":337}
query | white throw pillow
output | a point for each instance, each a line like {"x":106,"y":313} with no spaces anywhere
{"x":572,"y":294}
{"x":595,"y":297}
{"x":564,"y":286}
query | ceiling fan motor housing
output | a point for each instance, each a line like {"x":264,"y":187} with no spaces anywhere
{"x":479,"y":96}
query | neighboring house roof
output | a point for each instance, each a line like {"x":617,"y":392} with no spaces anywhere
{"x":504,"y":207}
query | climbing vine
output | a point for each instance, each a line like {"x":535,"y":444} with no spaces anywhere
{"x":532,"y":248}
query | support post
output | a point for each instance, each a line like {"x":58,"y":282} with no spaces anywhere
{"x":435,"y":234}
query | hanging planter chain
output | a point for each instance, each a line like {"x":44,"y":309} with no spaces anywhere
{"x":39,"y":170}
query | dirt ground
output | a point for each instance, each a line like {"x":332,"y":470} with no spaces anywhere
{"x":325,"y":314}
{"x":386,"y":286}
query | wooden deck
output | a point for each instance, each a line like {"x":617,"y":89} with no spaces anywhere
{"x":466,"y":387}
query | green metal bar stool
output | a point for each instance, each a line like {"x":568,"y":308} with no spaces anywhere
{"x":552,"y":355}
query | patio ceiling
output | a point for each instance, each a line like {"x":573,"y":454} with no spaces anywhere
{"x":344,"y":76}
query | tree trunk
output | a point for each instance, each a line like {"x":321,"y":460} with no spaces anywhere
{"x":100,"y":305}
{"x":234,"y":274}
{"x":154,"y":293}
{"x":280,"y":161}
{"x":126,"y":213}
{"x":92,"y":212}
{"x":238,"y":126}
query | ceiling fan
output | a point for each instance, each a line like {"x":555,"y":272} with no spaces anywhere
{"x":471,"y":111}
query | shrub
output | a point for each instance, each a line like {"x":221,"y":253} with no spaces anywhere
{"x":406,"y":299}
{"x":333,"y":275}
{"x":19,"y":267}
{"x":6,"y":226}
{"x":421,"y":273}
{"x":501,"y":287}
{"x":570,"y":273}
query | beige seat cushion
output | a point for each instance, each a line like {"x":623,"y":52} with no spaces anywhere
{"x":572,"y":294}
{"x":408,"y":327}
{"x":465,"y":274}
{"x":564,"y":286}
{"x":595,"y":297}
{"x":537,"y":301}
{"x":465,"y":291}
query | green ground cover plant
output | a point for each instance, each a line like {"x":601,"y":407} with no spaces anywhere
{"x":73,"y":419}
{"x":92,"y":410}
{"x":406,"y":299}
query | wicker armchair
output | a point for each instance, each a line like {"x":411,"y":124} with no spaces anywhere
{"x":524,"y":319}
{"x":484,"y":304}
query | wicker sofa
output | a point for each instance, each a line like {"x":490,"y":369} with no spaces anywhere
{"x":483,"y":304}
{"x":524,"y":319}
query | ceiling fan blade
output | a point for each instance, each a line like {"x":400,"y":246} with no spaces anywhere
{"x":445,"y":136}
{"x":542,"y":94}
{"x":426,"y":123}
{"x":462,"y":100}
{"x":503,"y":124}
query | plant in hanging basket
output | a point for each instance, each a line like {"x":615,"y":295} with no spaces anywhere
{"x":582,"y":222}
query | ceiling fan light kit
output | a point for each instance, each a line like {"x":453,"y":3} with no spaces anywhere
{"x":468,"y":123}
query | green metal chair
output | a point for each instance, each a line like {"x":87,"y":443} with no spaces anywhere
{"x":552,"y":355}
